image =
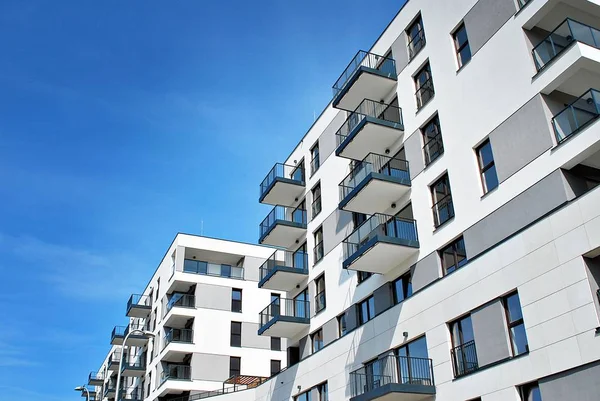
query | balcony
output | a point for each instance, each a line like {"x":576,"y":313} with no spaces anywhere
{"x":568,"y":59}
{"x":393,"y":378}
{"x":381,"y":243}
{"x":284,"y":185}
{"x":176,"y":372}
{"x":113,"y":361}
{"x":139,"y":306}
{"x":109,"y":390}
{"x":374,"y":184}
{"x":284,"y":270}
{"x":283,"y":226}
{"x":91,"y":390}
{"x":372,"y":127}
{"x":177,"y":344}
{"x":464,"y":359}
{"x":135,"y":366}
{"x":120,"y":332}
{"x":443,"y":211}
{"x":176,"y":378}
{"x":284,"y":318}
{"x":179,"y":309}
{"x":368,"y":76}
{"x":576,"y":116}
{"x":132,"y":394}
{"x":96,"y":378}
{"x":433,"y":148}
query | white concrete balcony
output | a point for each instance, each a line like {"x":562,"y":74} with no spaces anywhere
{"x":284,"y":270}
{"x":284,"y":318}
{"x":284,"y":185}
{"x":179,"y":308}
{"x":139,"y":306}
{"x":177,"y":343}
{"x":283,"y":227}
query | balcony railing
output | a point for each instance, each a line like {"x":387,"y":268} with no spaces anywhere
{"x":176,"y":372}
{"x":577,"y":115}
{"x":561,"y":38}
{"x":181,"y":300}
{"x":443,"y":211}
{"x":373,"y":163}
{"x":369,"y":109}
{"x":139,"y":300}
{"x":212,"y":269}
{"x":96,"y":376}
{"x":320,"y":301}
{"x":416,"y":43}
{"x":178,"y":336}
{"x":118,"y":331}
{"x":131,"y":327}
{"x":368,"y":60}
{"x":285,"y":307}
{"x":433,"y":149}
{"x":388,"y":226}
{"x":279,"y":214}
{"x":132,"y":394}
{"x":425,"y":93}
{"x":464,"y":359}
{"x":293,"y":174}
{"x":294,"y":260}
{"x":391,"y":370}
{"x":135,"y":362}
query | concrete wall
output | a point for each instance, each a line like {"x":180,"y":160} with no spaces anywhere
{"x":214,"y":297}
{"x":330,"y":331}
{"x":580,"y":384}
{"x":336,"y":227}
{"x":485,"y":19}
{"x":426,"y":271}
{"x":210,"y":367}
{"x":413,"y":145}
{"x":383,"y":298}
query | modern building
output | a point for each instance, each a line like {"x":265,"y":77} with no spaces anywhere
{"x":448,"y":201}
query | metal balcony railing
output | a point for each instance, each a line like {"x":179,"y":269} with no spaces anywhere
{"x":433,"y":148}
{"x":443,"y":210}
{"x":139,"y":299}
{"x":577,"y":115}
{"x":134,"y":327}
{"x":391,"y":369}
{"x":178,"y":336}
{"x":368,"y":60}
{"x":133,"y":394}
{"x":99,"y":376}
{"x":180,"y":300}
{"x":379,"y":224}
{"x":374,"y":163}
{"x":372,"y":109}
{"x":561,"y":38}
{"x":282,"y":213}
{"x":464,"y":359}
{"x":280,"y":170}
{"x":176,"y":372}
{"x":320,"y":301}
{"x":212,"y":269}
{"x":416,"y":43}
{"x":285,"y":307}
{"x":424,"y":93}
{"x":296,"y":260}
{"x":135,"y":361}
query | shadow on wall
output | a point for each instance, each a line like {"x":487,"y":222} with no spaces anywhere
{"x":283,"y":384}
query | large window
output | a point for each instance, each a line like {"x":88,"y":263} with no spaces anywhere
{"x":443,"y":208}
{"x":358,"y":219}
{"x":464,"y":355}
{"x":366,"y":310}
{"x":315,"y":162}
{"x":461,"y":44}
{"x":530,"y":392}
{"x":424,"y":86}
{"x":487,"y":168}
{"x":301,"y":304}
{"x":275,"y":343}
{"x":362,"y":276}
{"x":516,"y":326}
{"x":236,"y":300}
{"x":454,"y":256}
{"x":432,"y":139}
{"x":317,"y":340}
{"x":304,"y":396}
{"x":318,"y":251}
{"x":236,"y":334}
{"x":235,"y":363}
{"x":320,"y":298}
{"x":323,"y":392}
{"x":416,"y":37}
{"x":316,"y":201}
{"x":411,"y":370}
{"x":342,"y":328}
{"x":402,"y":288}
{"x":275,"y":367}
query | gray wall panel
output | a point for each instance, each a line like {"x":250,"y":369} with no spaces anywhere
{"x":383,"y":298}
{"x":413,"y":148}
{"x":426,"y":271}
{"x":484,"y":20}
{"x":336,"y":227}
{"x":213,"y":297}
{"x":210,"y":367}
{"x":250,"y":337}
{"x":327,"y":140}
{"x":400,"y":52}
{"x":305,"y":347}
{"x":251,"y":268}
{"x":593,"y":273}
{"x":533,"y":203}
{"x":351,"y":318}
{"x":491,"y":333}
{"x":581,"y":384}
{"x":330,"y":331}
{"x":521,"y":138}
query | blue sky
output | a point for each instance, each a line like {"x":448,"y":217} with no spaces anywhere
{"x":124,"y":122}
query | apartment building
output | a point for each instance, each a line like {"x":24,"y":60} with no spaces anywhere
{"x":193,"y":331}
{"x":438,"y":226}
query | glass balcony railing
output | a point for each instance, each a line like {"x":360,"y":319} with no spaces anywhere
{"x":136,"y":328}
{"x":577,"y":115}
{"x":96,"y":377}
{"x":179,"y":336}
{"x":378,"y":164}
{"x":213,"y":269}
{"x":118,"y":332}
{"x":464,"y":359}
{"x":293,"y":174}
{"x":369,"y":109}
{"x":284,"y":307}
{"x":139,"y":300}
{"x":132,"y":394}
{"x":561,"y":38}
{"x":176,"y":372}
{"x":292,"y":260}
{"x":373,"y":61}
{"x":379,"y":224}
{"x":180,"y":300}
{"x":391,"y":369}
{"x":443,"y":211}
{"x":282,"y":214}
{"x":135,"y":362}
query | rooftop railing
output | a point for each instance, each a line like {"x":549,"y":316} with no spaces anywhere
{"x":280,"y":170}
{"x":464,"y":359}
{"x":296,"y":260}
{"x":561,"y":38}
{"x":285,"y":307}
{"x":365,"y":59}
{"x":577,"y":115}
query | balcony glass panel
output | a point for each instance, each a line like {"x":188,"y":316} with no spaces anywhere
{"x":292,"y":260}
{"x":293,"y":308}
{"x":176,"y":372}
{"x":292,"y":173}
{"x":282,"y":213}
{"x":368,"y":60}
{"x":179,"y":336}
{"x":577,"y":115}
{"x":212,"y":269}
{"x":181,"y":300}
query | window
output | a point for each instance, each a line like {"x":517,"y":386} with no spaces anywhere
{"x":487,"y":168}
{"x":317,"y":340}
{"x":304,"y":396}
{"x":301,"y":306}
{"x":342,"y":329}
{"x":299,"y":213}
{"x":530,"y":392}
{"x":315,"y":161}
{"x":461,"y":44}
{"x":366,"y":310}
{"x":157,"y":289}
{"x":464,"y":355}
{"x":432,"y":138}
{"x":323,"y":392}
{"x":414,"y":370}
{"x":316,"y":200}
{"x":298,"y":172}
{"x":516,"y":326}
{"x":236,"y":300}
{"x":424,"y":85}
{"x":402,"y":287}
{"x":320,"y":298}
{"x":443,"y":208}
{"x":236,"y":334}
{"x":358,"y":219}
{"x":362,"y":276}
{"x":416,"y":37}
{"x":275,"y":344}
{"x":454,"y":256}
{"x":235,"y":363}
{"x":275,"y":367}
{"x":300,"y":258}
{"x":318,"y":245}
{"x":522,"y":3}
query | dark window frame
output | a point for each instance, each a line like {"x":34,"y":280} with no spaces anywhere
{"x":370,"y":314}
{"x":320,"y":281}
{"x":361,"y":277}
{"x":453,"y":246}
{"x":483,"y":169}
{"x":235,"y":334}
{"x":234,"y":302}
{"x":515,"y":323}
{"x":342,"y":328}
{"x":233,"y":371}
{"x":429,"y":140}
{"x":277,"y":369}
{"x":275,"y":343}
{"x":459,"y":47}
{"x":316,"y":340}
{"x":526,"y":389}
{"x":318,"y":255}
{"x":437,"y":197}
{"x":406,"y":279}
{"x":424,"y":85}
{"x":316,"y":200}
{"x":418,"y":37}
{"x":315,"y":162}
